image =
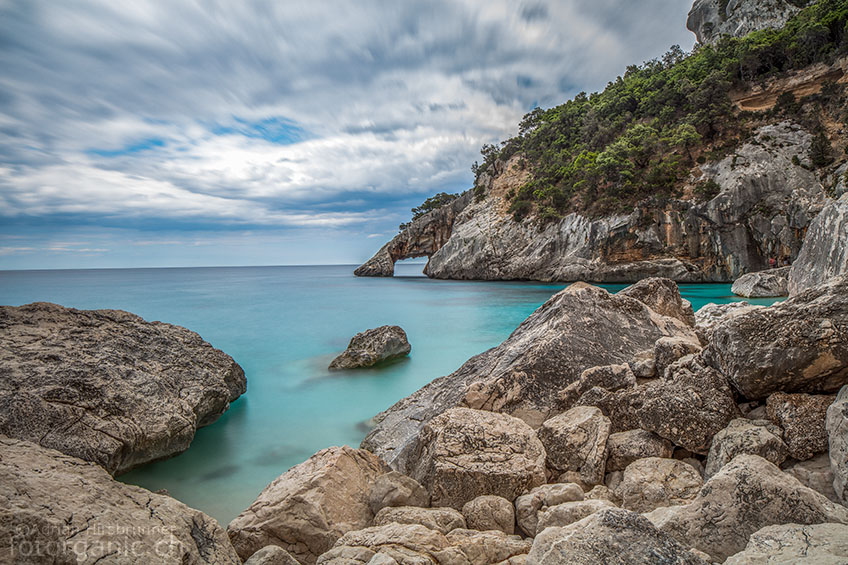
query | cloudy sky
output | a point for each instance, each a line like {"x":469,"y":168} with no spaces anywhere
{"x":263,"y":132}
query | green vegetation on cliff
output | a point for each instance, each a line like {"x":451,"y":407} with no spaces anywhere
{"x":640,"y":137}
{"x":429,"y":205}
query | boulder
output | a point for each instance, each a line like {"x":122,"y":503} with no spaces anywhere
{"x":602,"y":492}
{"x":816,"y":474}
{"x":609,"y":377}
{"x":490,"y":513}
{"x":802,"y":417}
{"x":623,"y":448}
{"x":373,"y":346}
{"x":688,"y":406}
{"x":527,"y":506}
{"x":710,"y":316}
{"x":611,"y":535}
{"x":819,"y":544}
{"x":271,"y":555}
{"x":396,"y":489}
{"x":576,"y":441}
{"x":654,"y":482}
{"x":763,"y":284}
{"x":492,"y":546}
{"x":663,"y":297}
{"x":667,"y":350}
{"x":755,"y":437}
{"x":824,"y":254}
{"x":570,"y":512}
{"x":440,"y":519}
{"x":747,"y":494}
{"x":467,"y":453}
{"x":568,"y":334}
{"x":800,"y":345}
{"x":59,"y":509}
{"x":107,"y":386}
{"x":306,"y":509}
{"x":837,"y":430}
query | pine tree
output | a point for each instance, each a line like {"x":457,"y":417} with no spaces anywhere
{"x":821,"y":153}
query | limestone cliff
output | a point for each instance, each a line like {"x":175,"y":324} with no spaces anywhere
{"x":767,"y":200}
{"x":709,"y":20}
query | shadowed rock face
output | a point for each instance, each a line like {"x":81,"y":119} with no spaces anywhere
{"x":824,"y":254}
{"x":422,"y":238}
{"x":107,"y":386}
{"x":765,"y":205}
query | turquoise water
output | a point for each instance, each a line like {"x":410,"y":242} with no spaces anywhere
{"x":284,"y":325}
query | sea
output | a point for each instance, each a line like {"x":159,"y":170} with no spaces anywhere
{"x":284,"y":325}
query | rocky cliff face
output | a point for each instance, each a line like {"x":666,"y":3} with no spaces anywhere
{"x":711,"y":19}
{"x":825,"y":251}
{"x":764,"y":208}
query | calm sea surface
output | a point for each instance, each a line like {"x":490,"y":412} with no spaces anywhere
{"x":284,"y":325}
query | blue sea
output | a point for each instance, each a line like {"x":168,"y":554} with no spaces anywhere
{"x":284,"y":325}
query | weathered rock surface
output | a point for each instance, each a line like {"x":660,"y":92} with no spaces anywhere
{"x":567,"y":335}
{"x":570,"y":512}
{"x":271,"y":555}
{"x":59,"y":509}
{"x":663,"y":297}
{"x":609,"y":377}
{"x":824,"y":254}
{"x":765,"y":204}
{"x":442,"y":520}
{"x":373,"y":346}
{"x":688,"y":406}
{"x":107,"y":386}
{"x":802,"y":417}
{"x":482,"y":548}
{"x":709,"y":316}
{"x":800,"y":345}
{"x":603,"y":492}
{"x":309,"y":507}
{"x":820,"y":544}
{"x":837,"y":430}
{"x":609,"y":536}
{"x":755,"y":437}
{"x":816,"y":474}
{"x":748,"y":494}
{"x":576,"y":441}
{"x":710,"y":20}
{"x":490,"y":513}
{"x":468,"y":453}
{"x":668,"y":350}
{"x":763,"y":284}
{"x":654,"y":482}
{"x":396,"y":489}
{"x":623,"y":448}
{"x":527,"y":506}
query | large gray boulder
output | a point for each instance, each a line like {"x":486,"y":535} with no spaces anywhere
{"x":444,"y":520}
{"x":712,"y":315}
{"x":569,"y":512}
{"x":310,"y":506}
{"x":837,"y":430}
{"x":371,"y":347}
{"x":654,"y":482}
{"x":688,"y":405}
{"x":490,"y":513}
{"x":528,"y":506}
{"x":800,"y":345}
{"x":576,"y":444}
{"x":570,"y":333}
{"x":710,"y":20}
{"x":816,"y":474}
{"x":612,"y":535}
{"x":802,"y":418}
{"x":755,"y":437}
{"x":817,"y":544}
{"x":762,"y":284}
{"x":468,"y":453}
{"x":59,"y":509}
{"x":107,"y":386}
{"x":824,"y":254}
{"x":623,"y":448}
{"x":748,"y":494}
{"x":271,"y":555}
{"x":396,"y":489}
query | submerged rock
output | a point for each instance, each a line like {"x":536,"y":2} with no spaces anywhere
{"x":612,"y":535}
{"x":824,"y":254}
{"x":748,"y":493}
{"x":570,"y":333}
{"x":468,"y":453}
{"x":763,"y":284}
{"x":800,"y":345}
{"x":373,"y":346}
{"x":309,"y":507}
{"x":107,"y":386}
{"x":59,"y":509}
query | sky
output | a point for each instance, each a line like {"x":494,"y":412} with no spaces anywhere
{"x":274,"y":132}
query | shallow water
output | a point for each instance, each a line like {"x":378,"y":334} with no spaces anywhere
{"x":284,"y":325}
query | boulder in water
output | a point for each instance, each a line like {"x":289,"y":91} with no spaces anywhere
{"x":373,"y":346}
